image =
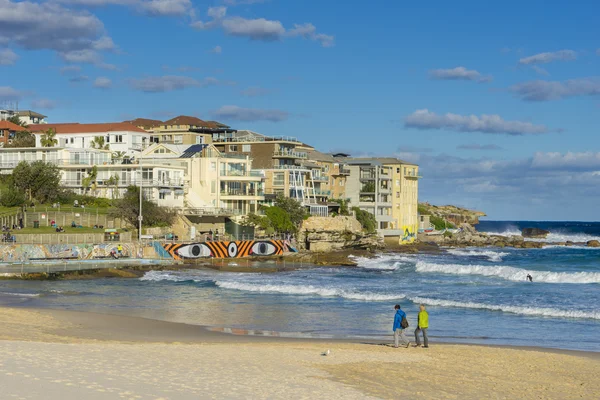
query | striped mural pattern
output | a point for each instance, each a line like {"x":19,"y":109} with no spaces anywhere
{"x":233,"y":249}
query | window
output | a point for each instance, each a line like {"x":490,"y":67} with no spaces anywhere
{"x":72,"y":141}
{"x":199,"y":139}
{"x":398,"y":170}
{"x":278,"y":179}
{"x":342,"y":182}
{"x":233,"y":147}
{"x":147,"y":174}
{"x":107,"y":139}
{"x":162,"y":196}
{"x":118,"y":138}
{"x":397,"y":195}
{"x":246,"y":148}
{"x":213,"y":187}
{"x":178,"y":139}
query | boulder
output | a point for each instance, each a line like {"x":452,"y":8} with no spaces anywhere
{"x":534,"y":233}
{"x":593,"y":243}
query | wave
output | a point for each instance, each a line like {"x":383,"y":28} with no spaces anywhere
{"x":492,"y":255}
{"x":307,"y":290}
{"x":561,"y":237}
{"x":21,"y":294}
{"x":534,"y":311}
{"x":158,"y":276}
{"x":510,"y":273}
{"x":383,"y":262}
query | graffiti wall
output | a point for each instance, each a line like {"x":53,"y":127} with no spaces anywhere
{"x":228,"y":249}
{"x":25,"y":252}
{"x":409,"y":234}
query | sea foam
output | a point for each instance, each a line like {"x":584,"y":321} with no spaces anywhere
{"x":383,"y":262}
{"x":509,"y":273}
{"x":491,"y":255}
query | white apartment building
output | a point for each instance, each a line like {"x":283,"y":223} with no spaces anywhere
{"x":162,"y":184}
{"x":119,"y":136}
{"x":213,"y":180}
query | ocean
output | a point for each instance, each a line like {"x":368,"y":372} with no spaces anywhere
{"x":473,"y":295}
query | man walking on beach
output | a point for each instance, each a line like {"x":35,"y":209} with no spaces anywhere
{"x":400,"y":323}
{"x":422,"y":326}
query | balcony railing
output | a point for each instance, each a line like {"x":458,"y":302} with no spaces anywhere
{"x":322,"y":192}
{"x":286,"y":166}
{"x":248,"y":139}
{"x":104,"y":183}
{"x":289,"y":154}
{"x":240,"y":192}
{"x":321,"y":178}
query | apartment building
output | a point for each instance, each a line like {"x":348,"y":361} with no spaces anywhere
{"x":31,"y":117}
{"x":110,"y":178}
{"x":280,"y":159}
{"x":330,"y":180}
{"x":387,"y":188}
{"x":182,"y":129}
{"x":213,"y":180}
{"x":8,"y":131}
{"x":119,"y":136}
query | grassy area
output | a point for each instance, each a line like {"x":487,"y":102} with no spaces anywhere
{"x":46,"y":230}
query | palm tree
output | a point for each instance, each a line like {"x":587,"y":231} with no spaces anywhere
{"x":49,"y":138}
{"x":118,"y":155}
{"x":98,"y":143}
{"x":90,"y":179}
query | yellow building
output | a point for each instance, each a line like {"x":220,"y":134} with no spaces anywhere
{"x":183,"y":129}
{"x":388,"y":188}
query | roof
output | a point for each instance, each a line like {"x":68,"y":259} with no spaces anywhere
{"x":86,"y":128}
{"x":218,"y":124}
{"x":193,"y":150}
{"x":314,"y":155}
{"x":7,"y":125}
{"x":380,"y":160}
{"x":187,"y":120}
{"x":145,"y":122}
{"x":29,"y":113}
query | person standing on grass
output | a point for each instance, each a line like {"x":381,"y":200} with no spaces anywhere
{"x":422,"y":326}
{"x":400,"y":324}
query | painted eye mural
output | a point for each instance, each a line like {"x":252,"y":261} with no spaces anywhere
{"x":263,"y":249}
{"x":193,"y":251}
{"x":227,"y":249}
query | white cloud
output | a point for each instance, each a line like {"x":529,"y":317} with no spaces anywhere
{"x":236,"y":113}
{"x":540,"y":70}
{"x":255,"y":91}
{"x":217,"y":50}
{"x":8,"y":93}
{"x":8,"y":57}
{"x":166,"y":7}
{"x":459,"y":73}
{"x":102,"y":82}
{"x":480,"y":147}
{"x":554,"y":90}
{"x":259,"y":28}
{"x":493,"y":124}
{"x":168,"y":83}
{"x":48,"y":26}
{"x":572,"y":161}
{"x":86,"y":56}
{"x":46,"y":104}
{"x":544,"y":58}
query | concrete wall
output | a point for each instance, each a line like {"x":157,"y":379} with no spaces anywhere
{"x":24,"y":252}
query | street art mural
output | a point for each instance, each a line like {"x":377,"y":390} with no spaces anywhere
{"x":27,"y":252}
{"x":228,"y":249}
{"x":409,"y":235}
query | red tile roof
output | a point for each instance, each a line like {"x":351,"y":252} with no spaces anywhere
{"x":87,"y":128}
{"x":7,"y":125}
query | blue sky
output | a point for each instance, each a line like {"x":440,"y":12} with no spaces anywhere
{"x":498,"y":103}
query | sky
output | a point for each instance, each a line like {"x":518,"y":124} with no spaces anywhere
{"x":498,"y":103}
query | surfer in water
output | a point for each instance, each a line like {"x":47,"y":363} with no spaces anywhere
{"x":529,"y":278}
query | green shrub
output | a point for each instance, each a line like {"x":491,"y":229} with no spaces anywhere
{"x":12,"y":198}
{"x":366,"y":219}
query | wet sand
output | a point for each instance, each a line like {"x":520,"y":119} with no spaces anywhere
{"x":49,"y":354}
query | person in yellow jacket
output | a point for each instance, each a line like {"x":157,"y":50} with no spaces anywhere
{"x":423,"y":324}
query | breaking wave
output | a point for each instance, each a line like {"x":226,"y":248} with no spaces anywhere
{"x":510,"y":273}
{"x":491,"y":255}
{"x":533,"y":311}
{"x":384,"y":262}
{"x":307,"y":290}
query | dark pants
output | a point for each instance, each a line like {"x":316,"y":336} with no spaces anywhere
{"x":425,"y":338}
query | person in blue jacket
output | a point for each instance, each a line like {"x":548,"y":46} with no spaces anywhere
{"x":398,"y":329}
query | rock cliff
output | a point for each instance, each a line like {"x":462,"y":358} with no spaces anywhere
{"x":453,"y":214}
{"x":325,"y":234}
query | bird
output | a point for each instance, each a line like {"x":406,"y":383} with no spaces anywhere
{"x":326,"y":353}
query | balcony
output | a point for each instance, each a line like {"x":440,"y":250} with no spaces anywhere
{"x":367,"y":177}
{"x":323,"y":193}
{"x":344,"y":171}
{"x":289,"y":154}
{"x":412,"y":175}
{"x":241,"y":192}
{"x":104,"y":183}
{"x":290,"y":166}
{"x":321,"y":178}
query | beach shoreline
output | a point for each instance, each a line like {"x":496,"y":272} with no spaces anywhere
{"x":59,"y":354}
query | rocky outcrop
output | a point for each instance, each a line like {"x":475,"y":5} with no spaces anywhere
{"x":534,"y":233}
{"x":593,"y":243}
{"x":326,"y":234}
{"x":453,"y":214}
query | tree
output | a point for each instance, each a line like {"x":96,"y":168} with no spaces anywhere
{"x":12,"y":197}
{"x":279,"y":219}
{"x":295,"y":210}
{"x":17,"y":121}
{"x":49,"y":138}
{"x":22,"y":139}
{"x":366,"y":219}
{"x":128,"y":208}
{"x":38,"y":180}
{"x":98,"y":143}
{"x":90,"y":179}
{"x":118,"y":155}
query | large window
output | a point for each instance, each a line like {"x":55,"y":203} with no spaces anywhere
{"x":278,"y":179}
{"x":246,"y":148}
{"x":233,"y":148}
{"x":147,"y":174}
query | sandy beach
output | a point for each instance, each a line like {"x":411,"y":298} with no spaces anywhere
{"x":49,"y":354}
